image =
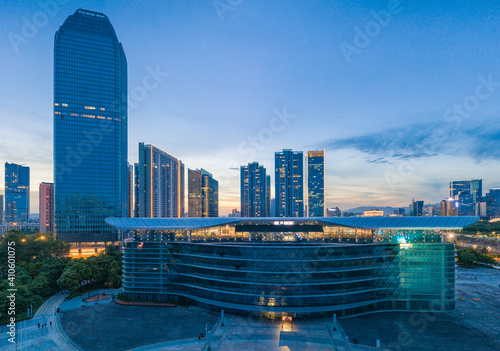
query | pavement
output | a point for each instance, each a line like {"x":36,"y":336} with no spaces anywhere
{"x":77,"y":302}
{"x":472,"y":326}
{"x":30,"y":336}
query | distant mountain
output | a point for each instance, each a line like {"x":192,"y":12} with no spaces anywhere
{"x":388,"y":210}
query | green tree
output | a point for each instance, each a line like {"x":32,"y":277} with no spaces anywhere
{"x":69,"y":280}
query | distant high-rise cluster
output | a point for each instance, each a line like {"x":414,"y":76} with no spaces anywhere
{"x":465,"y":193}
{"x":291,"y":198}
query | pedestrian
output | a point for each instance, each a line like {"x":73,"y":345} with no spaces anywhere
{"x":51,"y":323}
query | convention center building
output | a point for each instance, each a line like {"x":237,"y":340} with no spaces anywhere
{"x":293,"y":266}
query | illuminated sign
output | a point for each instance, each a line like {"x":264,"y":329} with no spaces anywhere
{"x":284,"y":223}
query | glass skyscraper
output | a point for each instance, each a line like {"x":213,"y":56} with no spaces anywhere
{"x":289,"y":183}
{"x":315,"y":161}
{"x":254,"y":191}
{"x":90,"y":129}
{"x":17,"y":193}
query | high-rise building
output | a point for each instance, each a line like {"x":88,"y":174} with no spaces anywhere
{"x":289,"y":183}
{"x":136,"y":189}
{"x":90,"y":129}
{"x":254,"y":191}
{"x":485,"y":206}
{"x":315,"y":161}
{"x":46,"y":205}
{"x":476,"y":189}
{"x":494,"y":202}
{"x":203,"y":194}
{"x":333,"y":212}
{"x":131,"y":190}
{"x":1,"y":209}
{"x":416,"y":208}
{"x":466,"y":193}
{"x":449,"y":207}
{"x":160,"y":184}
{"x":17,"y":193}
{"x":268,"y":196}
{"x":459,"y":186}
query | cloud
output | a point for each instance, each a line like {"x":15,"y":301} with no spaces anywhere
{"x":477,"y":140}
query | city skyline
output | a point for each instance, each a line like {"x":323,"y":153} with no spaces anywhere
{"x":358,"y":128}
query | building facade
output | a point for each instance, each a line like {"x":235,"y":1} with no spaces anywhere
{"x":1,"y":209}
{"x":17,"y":193}
{"x":289,"y":183}
{"x":46,"y":205}
{"x":254,"y":191}
{"x":416,"y":208}
{"x":303,"y":266}
{"x":131,"y":190}
{"x":467,"y":193}
{"x":90,"y":129}
{"x":160,"y":184}
{"x":315,"y":163}
{"x":203,"y":194}
{"x":449,"y":207}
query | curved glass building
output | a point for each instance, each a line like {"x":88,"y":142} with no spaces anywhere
{"x":297,"y":266}
{"x":90,"y":129}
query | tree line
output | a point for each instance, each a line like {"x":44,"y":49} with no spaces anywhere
{"x":43,"y":268}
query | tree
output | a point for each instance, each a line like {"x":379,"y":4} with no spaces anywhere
{"x":466,"y":258}
{"x":69,"y":280}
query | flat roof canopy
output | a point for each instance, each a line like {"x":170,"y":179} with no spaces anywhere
{"x":387,"y":223}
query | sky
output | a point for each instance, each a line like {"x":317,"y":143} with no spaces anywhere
{"x":402,"y":96}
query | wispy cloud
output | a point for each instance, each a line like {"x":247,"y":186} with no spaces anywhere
{"x":477,"y":140}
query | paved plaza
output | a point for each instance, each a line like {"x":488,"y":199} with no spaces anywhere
{"x":478,"y":329}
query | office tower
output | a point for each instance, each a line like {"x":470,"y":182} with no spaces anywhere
{"x":289,"y":183}
{"x":333,"y":212}
{"x":458,"y":186}
{"x":90,"y":129}
{"x":46,"y":205}
{"x":131,"y":190}
{"x":485,"y":206}
{"x":398,"y":211}
{"x":466,"y":193}
{"x":268,"y":196}
{"x":254,"y":191}
{"x":1,"y":209}
{"x":161,"y":183}
{"x":416,"y":208}
{"x":17,"y":193}
{"x":315,"y":161}
{"x":203,"y":190}
{"x":449,"y":207}
{"x":494,"y":195}
{"x":476,"y":189}
{"x":136,"y":189}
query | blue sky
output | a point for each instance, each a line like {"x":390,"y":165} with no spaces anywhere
{"x":386,"y":115}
